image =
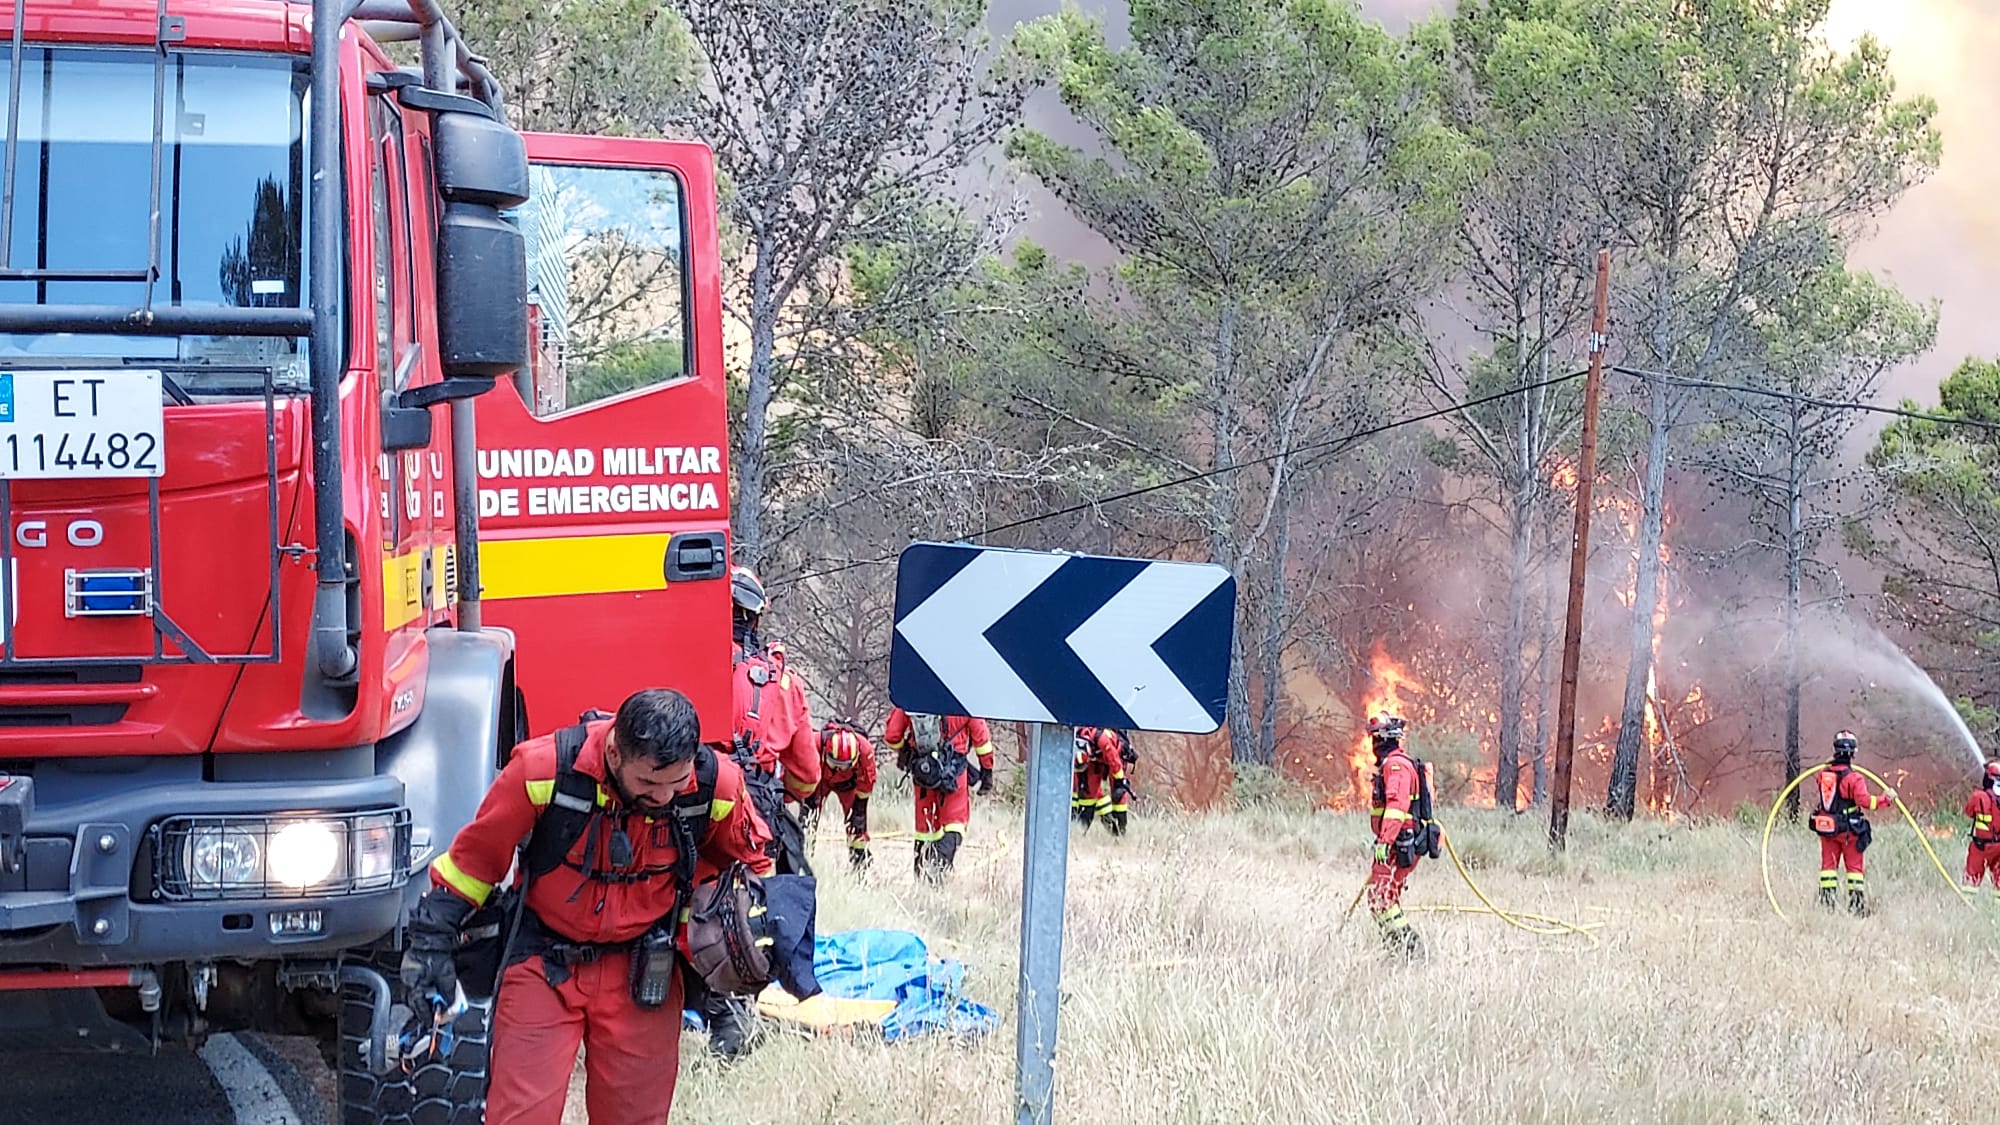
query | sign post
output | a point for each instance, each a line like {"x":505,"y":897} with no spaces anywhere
{"x":1044,"y":874}
{"x":1060,"y":641}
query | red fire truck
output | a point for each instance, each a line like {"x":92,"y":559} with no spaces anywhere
{"x":339,"y":451}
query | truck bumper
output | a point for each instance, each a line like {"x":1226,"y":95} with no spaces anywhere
{"x":86,"y":889}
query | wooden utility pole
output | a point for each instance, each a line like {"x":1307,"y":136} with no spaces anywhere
{"x":1579,"y":555}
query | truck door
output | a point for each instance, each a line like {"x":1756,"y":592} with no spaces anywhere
{"x":603,"y":467}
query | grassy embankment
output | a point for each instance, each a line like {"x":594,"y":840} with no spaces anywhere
{"x":1205,"y":981}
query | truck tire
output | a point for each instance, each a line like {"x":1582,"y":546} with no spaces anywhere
{"x":444,"y":1089}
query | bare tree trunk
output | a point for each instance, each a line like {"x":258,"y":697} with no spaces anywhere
{"x":747,"y":525}
{"x":1277,"y":598}
{"x":1514,"y":646}
{"x":1222,"y":530}
{"x":1620,"y":800}
{"x":1795,"y":549}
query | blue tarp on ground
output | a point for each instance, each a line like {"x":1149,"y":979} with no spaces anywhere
{"x":896,"y":965}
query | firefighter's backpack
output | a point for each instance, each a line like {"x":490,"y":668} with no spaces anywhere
{"x":934,"y":762}
{"x":1424,"y":837}
{"x":1829,"y":819}
{"x":1125,"y":752}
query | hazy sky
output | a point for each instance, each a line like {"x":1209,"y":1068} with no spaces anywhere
{"x":1942,"y":241}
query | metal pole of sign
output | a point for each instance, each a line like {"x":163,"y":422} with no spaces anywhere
{"x":1044,"y":872}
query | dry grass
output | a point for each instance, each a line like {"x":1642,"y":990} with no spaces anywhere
{"x":1205,"y":981}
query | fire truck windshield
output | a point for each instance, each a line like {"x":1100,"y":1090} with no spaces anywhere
{"x":232,"y":184}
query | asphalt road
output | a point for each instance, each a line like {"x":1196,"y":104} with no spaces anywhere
{"x":233,"y":1080}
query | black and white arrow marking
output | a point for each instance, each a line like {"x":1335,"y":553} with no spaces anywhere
{"x":1059,"y":638}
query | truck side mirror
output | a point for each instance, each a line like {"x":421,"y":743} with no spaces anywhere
{"x":482,"y":166}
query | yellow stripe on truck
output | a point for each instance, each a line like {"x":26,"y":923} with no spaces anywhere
{"x":579,"y":564}
{"x":402,"y":589}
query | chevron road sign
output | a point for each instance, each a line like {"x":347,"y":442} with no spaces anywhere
{"x":1040,"y":637}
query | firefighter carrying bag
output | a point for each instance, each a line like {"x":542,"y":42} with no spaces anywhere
{"x":491,"y":931}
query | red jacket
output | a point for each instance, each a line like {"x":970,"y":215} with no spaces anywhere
{"x":1396,"y":779}
{"x":967,"y":736}
{"x":591,"y":910}
{"x":782,"y":730}
{"x":858,"y":776}
{"x":1984,"y":809}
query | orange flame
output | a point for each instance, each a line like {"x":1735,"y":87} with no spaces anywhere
{"x":1388,"y":681}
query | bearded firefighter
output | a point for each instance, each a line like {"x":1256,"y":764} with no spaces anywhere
{"x":601,"y":882}
{"x":1844,"y":832}
{"x":1403,"y":829}
{"x":848,"y":772}
{"x":944,"y":755}
{"x":1098,"y":790}
{"x":1982,"y":852}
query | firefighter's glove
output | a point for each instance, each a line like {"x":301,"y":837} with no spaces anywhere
{"x":433,"y":937}
{"x":986,"y":782}
{"x":1381,"y":852}
{"x":1888,"y":796}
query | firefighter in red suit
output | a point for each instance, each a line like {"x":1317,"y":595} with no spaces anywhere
{"x":847,"y":771}
{"x":935,"y":751}
{"x":1098,"y":788}
{"x":1982,"y":852}
{"x":775,"y":741}
{"x":1393,"y":822}
{"x":1844,"y":833}
{"x":569,"y":982}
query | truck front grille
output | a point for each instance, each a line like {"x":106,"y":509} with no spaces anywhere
{"x":62,"y":697}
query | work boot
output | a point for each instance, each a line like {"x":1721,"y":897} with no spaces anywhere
{"x":1404,"y":942}
{"x":1826,"y":898}
{"x":859,"y":858}
{"x":732,"y":1028}
{"x":1116,"y":823}
{"x":1857,"y":904}
{"x":1084,"y":814}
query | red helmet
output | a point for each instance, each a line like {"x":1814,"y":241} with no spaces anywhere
{"x":841,"y":749}
{"x":1385,"y":727}
{"x":1993,"y":771}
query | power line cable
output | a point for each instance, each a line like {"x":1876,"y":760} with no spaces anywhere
{"x":1192,"y":478}
{"x":1372,"y":431}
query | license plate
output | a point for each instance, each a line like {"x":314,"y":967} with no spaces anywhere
{"x":76,"y":424}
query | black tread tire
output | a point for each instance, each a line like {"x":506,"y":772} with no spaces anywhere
{"x":445,"y":1090}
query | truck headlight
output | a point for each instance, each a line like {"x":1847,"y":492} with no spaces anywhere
{"x":377,"y":848}
{"x":282,"y":855}
{"x":223,"y":858}
{"x":304,"y":853}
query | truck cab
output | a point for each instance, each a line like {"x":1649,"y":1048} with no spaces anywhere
{"x":339,"y":452}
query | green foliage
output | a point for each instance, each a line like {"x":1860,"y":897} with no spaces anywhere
{"x":617,"y":67}
{"x":625,"y":366}
{"x":1255,"y":786}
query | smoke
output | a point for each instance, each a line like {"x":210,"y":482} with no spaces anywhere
{"x":1866,"y":652}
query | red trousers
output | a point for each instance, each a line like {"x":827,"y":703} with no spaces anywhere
{"x":633,"y":1055}
{"x":1385,"y":885}
{"x":1982,"y":860}
{"x":939,"y":813}
{"x":1836,"y":851}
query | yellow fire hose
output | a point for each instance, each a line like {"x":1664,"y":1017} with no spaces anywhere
{"x":1515,"y":919}
{"x":1922,"y":838}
